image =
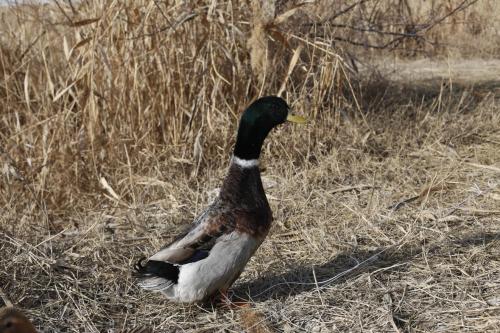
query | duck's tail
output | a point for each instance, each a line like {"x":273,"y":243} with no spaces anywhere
{"x":156,"y":275}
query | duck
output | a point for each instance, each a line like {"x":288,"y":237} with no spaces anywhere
{"x":14,"y":321}
{"x":209,"y":256}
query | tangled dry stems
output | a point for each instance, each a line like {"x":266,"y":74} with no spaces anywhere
{"x":112,"y":140}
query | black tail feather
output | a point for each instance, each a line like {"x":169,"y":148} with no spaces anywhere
{"x":156,"y":268}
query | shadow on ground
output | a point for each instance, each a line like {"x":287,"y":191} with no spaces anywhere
{"x":343,"y":267}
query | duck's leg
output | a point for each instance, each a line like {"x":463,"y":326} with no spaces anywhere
{"x":224,"y":296}
{"x":226,"y":301}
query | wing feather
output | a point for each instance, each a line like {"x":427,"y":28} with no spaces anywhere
{"x":196,"y":243}
{"x":162,"y":270}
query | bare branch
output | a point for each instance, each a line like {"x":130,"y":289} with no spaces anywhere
{"x":417,"y":30}
{"x":344,"y":11}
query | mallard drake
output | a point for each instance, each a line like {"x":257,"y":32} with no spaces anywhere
{"x":213,"y":252}
{"x":14,"y":321}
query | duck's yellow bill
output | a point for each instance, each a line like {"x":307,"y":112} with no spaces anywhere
{"x":296,"y":119}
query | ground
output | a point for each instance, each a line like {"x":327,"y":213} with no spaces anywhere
{"x":384,"y":221}
{"x":117,"y":120}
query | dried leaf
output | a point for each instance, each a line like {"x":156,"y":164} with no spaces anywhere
{"x":291,"y":66}
{"x":84,"y":22}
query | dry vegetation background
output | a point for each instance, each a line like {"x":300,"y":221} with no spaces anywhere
{"x":116,"y":125}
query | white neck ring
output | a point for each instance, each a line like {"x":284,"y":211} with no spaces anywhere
{"x":245,"y":164}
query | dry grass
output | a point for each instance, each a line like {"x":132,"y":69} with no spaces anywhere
{"x":115,"y":132}
{"x":472,"y":32}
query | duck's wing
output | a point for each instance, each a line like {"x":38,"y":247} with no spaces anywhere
{"x":161,"y":270}
{"x":198,"y":239}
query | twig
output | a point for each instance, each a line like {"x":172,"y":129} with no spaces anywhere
{"x":188,"y":17}
{"x":31,"y":45}
{"x":350,"y":188}
{"x":422,"y":28}
{"x":343,"y":11}
{"x":372,"y":46}
{"x":5,"y":299}
{"x":486,"y":167}
{"x":400,"y":204}
{"x":460,"y":7}
{"x":423,"y":194}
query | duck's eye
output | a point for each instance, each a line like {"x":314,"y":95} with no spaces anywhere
{"x":9,"y":324}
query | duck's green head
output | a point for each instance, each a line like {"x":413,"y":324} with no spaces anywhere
{"x":257,"y":121}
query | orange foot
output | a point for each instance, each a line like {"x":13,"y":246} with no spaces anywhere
{"x":225,"y":301}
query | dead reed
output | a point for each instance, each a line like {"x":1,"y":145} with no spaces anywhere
{"x":117,"y":121}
